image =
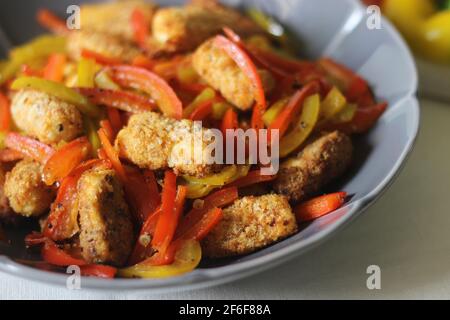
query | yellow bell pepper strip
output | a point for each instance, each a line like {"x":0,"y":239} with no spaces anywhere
{"x":186,"y":74}
{"x":187,"y":258}
{"x":103,"y":81}
{"x":272,"y":113}
{"x":86,"y":70}
{"x":219,"y":109}
{"x":206,"y":95}
{"x":346,"y":114}
{"x":152,"y":84}
{"x":90,"y":128}
{"x":196,"y":191}
{"x":60,"y":91}
{"x":333,"y":103}
{"x":218,"y":179}
{"x":303,"y":127}
{"x":39,"y":48}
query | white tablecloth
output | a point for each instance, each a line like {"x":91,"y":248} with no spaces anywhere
{"x":406,"y":233}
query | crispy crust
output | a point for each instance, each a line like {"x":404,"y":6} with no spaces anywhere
{"x":26,"y":192}
{"x":45,"y":117}
{"x":114,"y":18}
{"x":106,"y":234}
{"x":322,"y":161}
{"x":249,"y":224}
{"x":153,"y":141}
{"x":5,"y":209}
{"x":179,"y":29}
{"x":223,"y":74}
{"x":105,"y":44}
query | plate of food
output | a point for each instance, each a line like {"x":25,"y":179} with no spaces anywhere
{"x":152,"y":146}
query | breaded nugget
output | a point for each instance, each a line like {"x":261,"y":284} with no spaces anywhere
{"x":106,"y":234}
{"x":223,"y":74}
{"x":45,"y":117}
{"x":102,"y":43}
{"x":114,"y":18}
{"x":322,"y":161}
{"x":249,"y":224}
{"x":153,"y":141}
{"x":27,"y":194}
{"x":5,"y":209}
{"x":185,"y":28}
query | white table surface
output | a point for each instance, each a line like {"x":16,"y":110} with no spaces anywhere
{"x":406,"y":233}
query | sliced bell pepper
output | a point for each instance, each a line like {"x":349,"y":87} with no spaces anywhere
{"x":218,"y":179}
{"x":39,"y":48}
{"x":58,"y":90}
{"x":319,"y":206}
{"x":29,"y":147}
{"x":202,"y":111}
{"x":241,"y":58}
{"x":90,"y":128}
{"x":186,"y":259}
{"x":50,"y":21}
{"x":219,"y":109}
{"x":152,"y":84}
{"x":99,"y":58}
{"x":98,"y":270}
{"x":201,"y":229}
{"x":62,"y":222}
{"x":106,"y":126}
{"x":333,"y":103}
{"x":54,"y":69}
{"x":141,"y":27}
{"x":363,"y":120}
{"x":303,"y":128}
{"x":114,"y":119}
{"x":5,"y":113}
{"x":123,"y":100}
{"x":207,"y":94}
{"x":65,"y":159}
{"x":218,"y":199}
{"x":103,"y":81}
{"x":52,"y":254}
{"x":251,"y":178}
{"x":143,"y":61}
{"x":291,"y":110}
{"x":10,"y":155}
{"x":229,"y":121}
{"x":112,"y":155}
{"x":86,"y":71}
{"x":272,"y":113}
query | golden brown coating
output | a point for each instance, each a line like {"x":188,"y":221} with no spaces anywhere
{"x":106,"y":234}
{"x":5,"y":209}
{"x":27,"y":194}
{"x":249,"y":224}
{"x":153,"y":141}
{"x":45,"y":117}
{"x":185,"y":28}
{"x":223,"y":74}
{"x":322,"y":161}
{"x":102,"y":43}
{"x":114,"y":18}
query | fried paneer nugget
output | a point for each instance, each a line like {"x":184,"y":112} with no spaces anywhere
{"x":223,"y":74}
{"x":27,"y":194}
{"x":45,"y":117}
{"x":153,"y":141}
{"x":181,"y":29}
{"x":105,"y":44}
{"x":249,"y":224}
{"x":114,"y":18}
{"x":322,"y":161}
{"x":106,"y":230}
{"x":5,"y":209}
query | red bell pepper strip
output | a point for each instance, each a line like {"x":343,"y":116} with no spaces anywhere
{"x":319,"y":206}
{"x":61,"y":223}
{"x":28,"y":71}
{"x":34,"y":238}
{"x":106,"y":126}
{"x":293,"y":107}
{"x":152,"y":84}
{"x":54,"y":69}
{"x":202,"y":111}
{"x":52,"y":254}
{"x":143,"y":62}
{"x":218,"y":199}
{"x":29,"y":147}
{"x":114,"y":119}
{"x":229,"y":121}
{"x":201,"y":229}
{"x":122,"y":100}
{"x":112,"y":155}
{"x":50,"y":21}
{"x":99,"y":58}
{"x":10,"y":155}
{"x":363,"y":120}
{"x":5,"y":113}
{"x":65,"y":159}
{"x":98,"y":270}
{"x":253,"y":177}
{"x":241,"y":58}
{"x":141,"y":28}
